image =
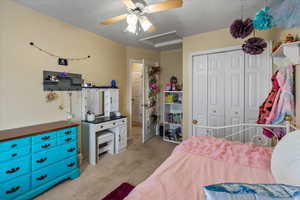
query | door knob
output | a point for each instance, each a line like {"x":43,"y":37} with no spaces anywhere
{"x":195,"y":121}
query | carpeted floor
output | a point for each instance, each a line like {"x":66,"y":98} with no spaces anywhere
{"x":132,"y":166}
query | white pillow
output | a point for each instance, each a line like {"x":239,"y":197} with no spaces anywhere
{"x":285,"y":163}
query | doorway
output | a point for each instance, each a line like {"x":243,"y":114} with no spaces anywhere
{"x":142,"y":106}
{"x":136,"y":101}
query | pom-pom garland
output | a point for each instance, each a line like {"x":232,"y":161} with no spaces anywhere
{"x":241,"y":29}
{"x":263,"y":20}
{"x":254,"y":46}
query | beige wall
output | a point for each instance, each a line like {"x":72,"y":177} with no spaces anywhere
{"x":171,"y":65}
{"x":22,"y":99}
{"x":139,"y":53}
{"x":133,"y":53}
{"x":214,"y":40}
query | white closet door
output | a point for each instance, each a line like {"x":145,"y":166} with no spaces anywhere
{"x":199,"y":94}
{"x":257,"y":85}
{"x":216,"y":92}
{"x":234,"y":92}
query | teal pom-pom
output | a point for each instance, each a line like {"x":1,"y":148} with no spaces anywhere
{"x":263,"y":20}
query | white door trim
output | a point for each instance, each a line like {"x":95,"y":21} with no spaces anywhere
{"x":190,"y":74}
{"x":129,"y":91}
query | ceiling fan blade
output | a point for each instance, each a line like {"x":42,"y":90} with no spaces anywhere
{"x":152,"y":29}
{"x":129,"y":4}
{"x":167,"y":5}
{"x":146,"y":24}
{"x":114,"y":19}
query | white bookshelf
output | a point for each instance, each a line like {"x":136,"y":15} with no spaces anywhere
{"x":172,"y":116}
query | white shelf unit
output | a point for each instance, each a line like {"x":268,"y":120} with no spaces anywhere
{"x":172,"y":116}
{"x":289,"y":50}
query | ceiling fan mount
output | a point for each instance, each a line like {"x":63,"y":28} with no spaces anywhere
{"x":138,"y":10}
{"x":136,"y":18}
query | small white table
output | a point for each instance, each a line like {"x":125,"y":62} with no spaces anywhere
{"x":117,"y":125}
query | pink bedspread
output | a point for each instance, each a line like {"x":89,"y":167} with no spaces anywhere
{"x":201,"y":161}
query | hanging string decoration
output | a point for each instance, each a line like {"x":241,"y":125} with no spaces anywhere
{"x":61,"y":60}
{"x":254,"y":46}
{"x":241,"y":29}
{"x":286,"y":13}
{"x":263,"y":20}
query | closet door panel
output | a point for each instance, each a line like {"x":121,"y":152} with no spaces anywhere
{"x":257,"y":85}
{"x":216,"y":112}
{"x":234,"y":92}
{"x":199,"y":94}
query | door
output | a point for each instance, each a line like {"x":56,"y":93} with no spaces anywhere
{"x":148,"y":109}
{"x":137,"y":94}
{"x":216,"y":93}
{"x":199,"y":94}
{"x":257,"y":85}
{"x":234,"y":92}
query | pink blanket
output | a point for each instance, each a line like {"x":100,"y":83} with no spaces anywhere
{"x":201,"y":161}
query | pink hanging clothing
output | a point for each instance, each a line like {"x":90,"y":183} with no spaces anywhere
{"x":282,"y":105}
{"x":266,"y":108}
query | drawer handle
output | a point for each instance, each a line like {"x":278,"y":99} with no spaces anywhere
{"x":114,"y":123}
{"x":71,"y":150}
{"x":13,"y":170}
{"x":12,"y":190}
{"x":46,"y":146}
{"x":14,"y":155}
{"x":101,"y":126}
{"x":68,"y":132}
{"x":41,"y":160}
{"x":46,"y":138}
{"x":68,"y":139}
{"x":71,"y":164}
{"x":13,"y":145}
{"x":41,"y":177}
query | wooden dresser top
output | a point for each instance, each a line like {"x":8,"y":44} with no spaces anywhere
{"x":15,"y":133}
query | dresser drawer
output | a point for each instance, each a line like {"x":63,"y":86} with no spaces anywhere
{"x":122,"y":122}
{"x":14,"y":154}
{"x":10,"y":190}
{"x":47,"y":174}
{"x":14,"y":144}
{"x":45,"y":158}
{"x":67,"y":139}
{"x":14,"y":168}
{"x":43,"y":137}
{"x":106,"y":125}
{"x":44,"y":146}
{"x":68,"y":150}
{"x":67,"y":132}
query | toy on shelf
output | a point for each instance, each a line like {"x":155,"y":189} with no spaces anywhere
{"x":173,"y":82}
{"x":169,"y":98}
{"x":173,"y":85}
{"x":289,"y":38}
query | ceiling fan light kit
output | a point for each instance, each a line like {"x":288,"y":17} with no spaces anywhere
{"x":136,"y":19}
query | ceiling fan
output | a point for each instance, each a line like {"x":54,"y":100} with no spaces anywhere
{"x":136,"y":19}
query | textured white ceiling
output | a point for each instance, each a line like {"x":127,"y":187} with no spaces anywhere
{"x":196,"y":16}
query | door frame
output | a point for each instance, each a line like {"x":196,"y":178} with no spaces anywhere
{"x":190,"y":74}
{"x":129,"y":89}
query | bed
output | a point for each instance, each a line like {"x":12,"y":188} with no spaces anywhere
{"x":205,"y":160}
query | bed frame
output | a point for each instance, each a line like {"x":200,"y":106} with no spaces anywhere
{"x":245,"y":132}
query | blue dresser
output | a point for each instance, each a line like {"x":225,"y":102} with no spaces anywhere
{"x":37,"y":158}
